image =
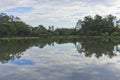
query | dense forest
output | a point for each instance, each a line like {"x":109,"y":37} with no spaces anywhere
{"x":11,"y":26}
{"x":100,"y":26}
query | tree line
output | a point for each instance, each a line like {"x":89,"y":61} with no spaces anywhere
{"x":100,"y":26}
{"x":94,"y":26}
{"x":11,"y":26}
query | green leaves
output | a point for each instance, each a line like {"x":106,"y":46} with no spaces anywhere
{"x":13,"y":26}
{"x":95,"y":26}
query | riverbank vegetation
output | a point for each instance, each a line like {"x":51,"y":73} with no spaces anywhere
{"x":11,"y":26}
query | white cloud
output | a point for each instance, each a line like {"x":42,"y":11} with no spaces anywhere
{"x":56,"y":12}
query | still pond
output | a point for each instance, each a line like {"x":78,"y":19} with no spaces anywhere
{"x":60,"y":59}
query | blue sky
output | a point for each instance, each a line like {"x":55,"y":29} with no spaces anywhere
{"x":18,"y":10}
{"x":60,"y":13}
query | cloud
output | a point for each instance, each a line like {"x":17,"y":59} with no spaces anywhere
{"x":61,"y":13}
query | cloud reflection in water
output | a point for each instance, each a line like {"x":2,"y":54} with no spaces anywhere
{"x":64,"y":62}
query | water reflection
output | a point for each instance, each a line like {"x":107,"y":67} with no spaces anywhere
{"x":22,"y":62}
{"x":97,"y":48}
{"x":60,"y":59}
{"x":14,"y":49}
{"x":116,"y":50}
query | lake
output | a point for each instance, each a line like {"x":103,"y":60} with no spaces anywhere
{"x":60,"y":59}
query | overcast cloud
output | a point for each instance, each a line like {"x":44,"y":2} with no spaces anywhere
{"x":60,"y":13}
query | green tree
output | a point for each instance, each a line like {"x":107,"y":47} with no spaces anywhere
{"x":95,"y":26}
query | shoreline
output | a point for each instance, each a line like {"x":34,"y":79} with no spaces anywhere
{"x":56,"y":37}
{"x":18,"y":38}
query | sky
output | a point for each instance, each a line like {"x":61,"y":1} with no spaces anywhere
{"x":60,"y":13}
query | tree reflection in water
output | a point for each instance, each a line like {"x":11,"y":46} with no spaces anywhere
{"x":98,"y":48}
{"x":14,"y":49}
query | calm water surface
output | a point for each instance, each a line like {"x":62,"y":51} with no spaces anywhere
{"x":60,"y":59}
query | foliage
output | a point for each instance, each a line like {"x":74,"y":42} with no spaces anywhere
{"x":65,"y":31}
{"x":11,"y":26}
{"x":115,"y":34}
{"x":95,"y":26}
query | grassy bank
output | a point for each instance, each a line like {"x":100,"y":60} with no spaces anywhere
{"x":18,"y":38}
{"x":58,"y":37}
{"x":86,"y":36}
